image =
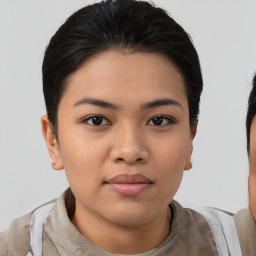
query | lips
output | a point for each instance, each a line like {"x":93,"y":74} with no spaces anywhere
{"x":129,"y":185}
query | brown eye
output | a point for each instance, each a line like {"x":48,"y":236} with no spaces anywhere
{"x":157,"y":120}
{"x":96,"y":120}
{"x":160,"y":121}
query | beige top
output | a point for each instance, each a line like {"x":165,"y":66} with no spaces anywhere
{"x":190,"y":235}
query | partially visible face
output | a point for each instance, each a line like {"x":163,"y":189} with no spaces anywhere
{"x":252,"y":167}
{"x":124,"y":135}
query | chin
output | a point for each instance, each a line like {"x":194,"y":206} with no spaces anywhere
{"x":130,"y":216}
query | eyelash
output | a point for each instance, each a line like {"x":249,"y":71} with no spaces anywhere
{"x":169,"y":121}
{"x":96,"y":116}
{"x":101,"y":118}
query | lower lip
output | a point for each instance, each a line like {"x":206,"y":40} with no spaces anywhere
{"x":129,"y":189}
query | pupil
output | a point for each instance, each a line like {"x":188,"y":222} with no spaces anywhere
{"x":97,"y":120}
{"x":157,"y":120}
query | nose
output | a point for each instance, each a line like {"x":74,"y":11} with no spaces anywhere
{"x":129,"y":147}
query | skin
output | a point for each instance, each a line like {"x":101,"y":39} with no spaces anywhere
{"x":252,"y":169}
{"x":126,"y":142}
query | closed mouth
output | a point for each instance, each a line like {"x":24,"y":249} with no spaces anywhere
{"x":129,"y":185}
{"x":129,"y":179}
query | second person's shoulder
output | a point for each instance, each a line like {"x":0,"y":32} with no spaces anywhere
{"x":15,"y":240}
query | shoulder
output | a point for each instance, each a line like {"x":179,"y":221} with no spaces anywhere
{"x":15,"y":240}
{"x":223,"y":229}
{"x":246,"y":230}
{"x":192,"y":231}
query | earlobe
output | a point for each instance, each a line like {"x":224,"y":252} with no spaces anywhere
{"x":51,"y":143}
{"x":188,"y":164}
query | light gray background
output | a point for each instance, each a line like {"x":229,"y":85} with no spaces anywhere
{"x":224,"y":35}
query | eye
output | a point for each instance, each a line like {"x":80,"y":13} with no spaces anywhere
{"x":96,"y":120}
{"x":160,"y":121}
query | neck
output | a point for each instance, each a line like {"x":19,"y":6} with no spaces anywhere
{"x":123,"y":239}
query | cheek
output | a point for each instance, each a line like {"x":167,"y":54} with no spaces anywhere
{"x":172,"y":152}
{"x":82,"y":158}
{"x":253,"y":137}
{"x":171,"y":162}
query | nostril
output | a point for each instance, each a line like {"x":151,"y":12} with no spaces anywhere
{"x":129,"y":161}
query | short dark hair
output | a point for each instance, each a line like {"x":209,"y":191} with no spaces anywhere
{"x":251,"y":111}
{"x":136,"y":26}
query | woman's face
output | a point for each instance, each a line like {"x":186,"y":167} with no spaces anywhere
{"x":124,"y":137}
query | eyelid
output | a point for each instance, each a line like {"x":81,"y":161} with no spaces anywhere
{"x":170,"y":120}
{"x":87,"y":118}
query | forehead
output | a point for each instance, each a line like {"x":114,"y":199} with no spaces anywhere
{"x":126,"y":77}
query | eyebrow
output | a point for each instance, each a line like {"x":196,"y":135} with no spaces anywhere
{"x":149,"y":105}
{"x":96,"y":102}
{"x":161,"y":102}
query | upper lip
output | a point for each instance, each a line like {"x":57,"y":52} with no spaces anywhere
{"x":129,"y":179}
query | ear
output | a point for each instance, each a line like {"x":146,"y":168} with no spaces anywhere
{"x":188,"y":164}
{"x":51,"y":143}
